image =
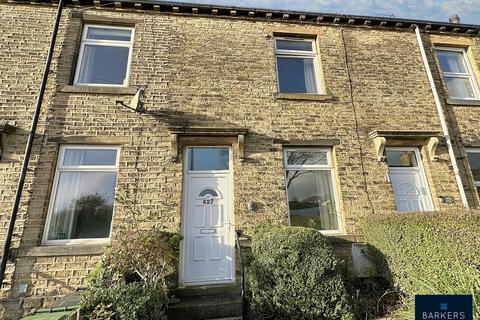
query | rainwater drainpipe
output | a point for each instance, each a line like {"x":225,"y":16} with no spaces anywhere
{"x":443,"y":123}
{"x":28,"y":149}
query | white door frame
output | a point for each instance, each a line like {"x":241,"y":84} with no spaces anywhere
{"x":421,"y":173}
{"x":231,"y":233}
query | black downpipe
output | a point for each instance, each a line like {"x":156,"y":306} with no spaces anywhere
{"x":28,"y":149}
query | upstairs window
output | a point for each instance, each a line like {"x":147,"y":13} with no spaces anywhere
{"x":81,"y":206}
{"x":104,"y":58}
{"x":310,"y":185}
{"x":297,"y":65}
{"x":457,"y":73}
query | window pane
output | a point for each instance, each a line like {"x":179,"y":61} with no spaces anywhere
{"x":401,"y":158}
{"x":296,"y":75}
{"x":83,"y":205}
{"x":90,"y":157}
{"x":459,"y":87}
{"x":108,"y":34}
{"x":103,"y":65}
{"x":311,"y":202}
{"x":208,"y":158}
{"x":307,"y":158}
{"x":294,"y":45}
{"x":474,"y":161}
{"x":452,"y":61}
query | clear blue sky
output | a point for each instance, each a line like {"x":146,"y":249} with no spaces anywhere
{"x":436,"y":10}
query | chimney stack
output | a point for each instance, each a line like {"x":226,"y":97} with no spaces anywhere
{"x":454,"y":19}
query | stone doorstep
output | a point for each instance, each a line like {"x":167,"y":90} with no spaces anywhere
{"x":217,"y":302}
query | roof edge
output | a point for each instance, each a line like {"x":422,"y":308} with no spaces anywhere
{"x":286,"y":16}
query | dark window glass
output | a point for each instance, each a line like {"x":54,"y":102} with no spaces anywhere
{"x":306,"y":158}
{"x":311,"y":200}
{"x":90,"y":157}
{"x":208,"y":159}
{"x":294,"y":45}
{"x":95,"y":33}
{"x":401,"y":158}
{"x":296,"y":75}
{"x":103,"y":65}
{"x":83,"y":205}
{"x":205,"y":192}
{"x":474,"y":161}
{"x":451,"y":61}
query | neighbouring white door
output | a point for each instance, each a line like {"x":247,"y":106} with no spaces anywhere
{"x":208,"y":245}
{"x":408,"y":180}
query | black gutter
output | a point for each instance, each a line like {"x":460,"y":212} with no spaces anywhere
{"x":260,"y":14}
{"x":28,"y":149}
{"x":294,"y":12}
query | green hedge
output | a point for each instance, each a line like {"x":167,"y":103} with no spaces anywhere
{"x":124,"y":301}
{"x":294,"y":274}
{"x":428,"y":253}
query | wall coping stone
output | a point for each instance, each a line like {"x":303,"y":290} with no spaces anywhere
{"x":463,"y":102}
{"x":50,"y":251}
{"x":304,"y":96}
{"x":97,"y":90}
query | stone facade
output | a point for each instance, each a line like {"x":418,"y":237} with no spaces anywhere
{"x":215,"y":72}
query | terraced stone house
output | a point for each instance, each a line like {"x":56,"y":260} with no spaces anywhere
{"x":243,"y":116}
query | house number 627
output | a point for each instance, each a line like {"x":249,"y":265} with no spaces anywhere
{"x":208,"y":201}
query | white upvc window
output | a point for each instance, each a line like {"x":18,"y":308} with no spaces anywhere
{"x":311,"y":189}
{"x":474,"y":161}
{"x":457,"y":73}
{"x":297,"y":65}
{"x":105,"y":55}
{"x":83,"y":193}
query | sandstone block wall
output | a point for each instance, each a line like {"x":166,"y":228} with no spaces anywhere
{"x":210,"y":72}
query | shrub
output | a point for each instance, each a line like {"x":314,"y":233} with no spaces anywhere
{"x":428,"y":253}
{"x":123,"y":301}
{"x":294,"y":274}
{"x":130,"y":281}
{"x":151,"y":255}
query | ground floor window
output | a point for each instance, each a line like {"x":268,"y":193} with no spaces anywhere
{"x":474,"y":161}
{"x":310,"y":187}
{"x":81,"y":205}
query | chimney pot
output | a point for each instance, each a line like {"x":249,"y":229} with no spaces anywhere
{"x":454,"y":19}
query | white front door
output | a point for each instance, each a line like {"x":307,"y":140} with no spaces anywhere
{"x":208,"y":244}
{"x":408,"y":180}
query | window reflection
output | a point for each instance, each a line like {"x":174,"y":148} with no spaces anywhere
{"x":83,"y":205}
{"x":401,"y":158}
{"x":311,"y":199}
{"x":201,"y":159}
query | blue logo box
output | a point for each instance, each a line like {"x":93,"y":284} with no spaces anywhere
{"x":443,"y":307}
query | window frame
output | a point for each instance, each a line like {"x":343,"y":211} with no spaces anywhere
{"x":470,"y":75}
{"x":473,"y":150}
{"x":318,"y":167}
{"x":61,"y":168}
{"x":299,"y":54}
{"x":110,"y":43}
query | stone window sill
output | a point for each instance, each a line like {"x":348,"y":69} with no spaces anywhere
{"x":98,"y":90}
{"x":463,"y":102}
{"x":303,"y":96}
{"x":63,"y":250}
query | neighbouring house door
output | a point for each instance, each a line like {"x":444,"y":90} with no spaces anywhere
{"x":408,"y":180}
{"x":208,"y":245}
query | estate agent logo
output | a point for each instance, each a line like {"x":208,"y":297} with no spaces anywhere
{"x":443,"y":307}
